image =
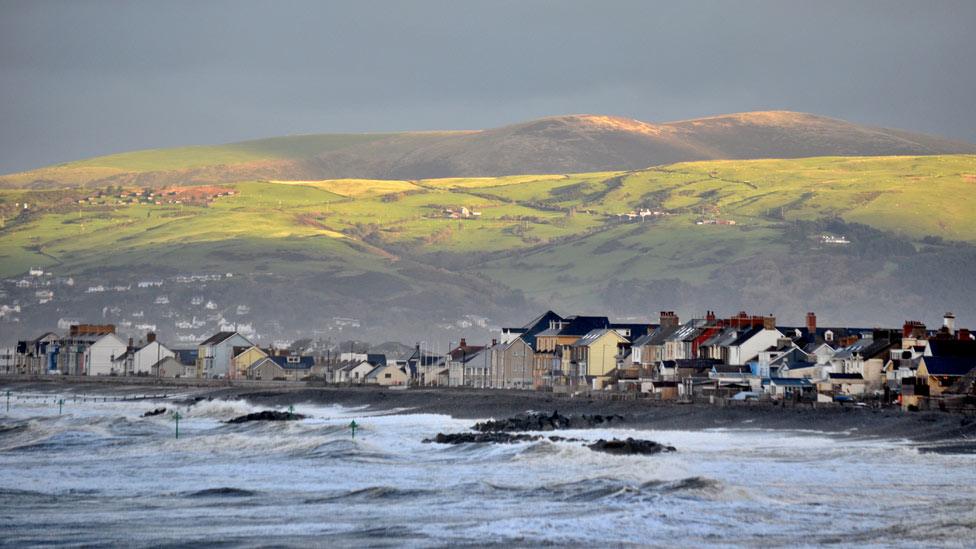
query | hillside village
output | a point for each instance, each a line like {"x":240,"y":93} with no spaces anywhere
{"x":741,"y":357}
{"x":183,"y":306}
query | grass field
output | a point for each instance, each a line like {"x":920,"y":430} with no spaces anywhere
{"x":555,"y":238}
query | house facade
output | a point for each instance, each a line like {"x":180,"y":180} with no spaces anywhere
{"x":387,"y":375}
{"x":512,"y":365}
{"x":143,"y":359}
{"x":216,"y":354}
{"x":100,"y":356}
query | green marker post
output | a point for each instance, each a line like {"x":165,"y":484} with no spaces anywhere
{"x":354,"y":426}
{"x":177,"y":416}
{"x":291,"y":411}
{"x":60,"y":406}
{"x":8,"y":401}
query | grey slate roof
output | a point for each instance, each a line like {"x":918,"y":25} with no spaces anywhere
{"x":217,"y":338}
{"x":657,"y":336}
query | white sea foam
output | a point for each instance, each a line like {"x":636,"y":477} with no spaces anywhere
{"x":93,"y":472}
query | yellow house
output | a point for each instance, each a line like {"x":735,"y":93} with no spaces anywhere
{"x":387,"y":375}
{"x":244,"y":357}
{"x":596,"y":353}
{"x":940,"y":372}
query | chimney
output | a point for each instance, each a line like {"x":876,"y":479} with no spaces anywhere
{"x":949,"y":322}
{"x":710,"y":316}
{"x":668,"y":318}
{"x":913,"y":328}
{"x":463,"y":343}
{"x":151,"y":337}
{"x":812,"y":323}
{"x":964,"y":334}
{"x":130,"y":342}
{"x":769,"y":323}
{"x":494,"y":342}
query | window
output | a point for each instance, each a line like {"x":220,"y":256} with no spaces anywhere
{"x":388,"y":376}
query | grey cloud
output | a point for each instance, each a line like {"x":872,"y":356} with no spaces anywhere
{"x":85,"y":78}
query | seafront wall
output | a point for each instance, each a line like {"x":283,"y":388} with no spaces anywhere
{"x":148,"y":381}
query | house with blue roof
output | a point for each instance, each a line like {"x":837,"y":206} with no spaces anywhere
{"x":942,"y":372}
{"x":281,"y":368}
{"x":784,"y":388}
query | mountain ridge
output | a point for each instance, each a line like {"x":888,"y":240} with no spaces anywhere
{"x":559,"y":144}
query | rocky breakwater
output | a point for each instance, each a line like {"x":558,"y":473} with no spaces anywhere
{"x":494,"y":438}
{"x":630,"y":446}
{"x":267,"y":415}
{"x":156,"y":412}
{"x":534,"y":421}
{"x":512,"y":430}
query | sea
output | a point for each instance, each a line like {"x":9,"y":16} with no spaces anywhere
{"x":92,"y":472}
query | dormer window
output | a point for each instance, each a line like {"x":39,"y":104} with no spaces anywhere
{"x":828,"y":335}
{"x":293,"y":360}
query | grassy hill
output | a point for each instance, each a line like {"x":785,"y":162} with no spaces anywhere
{"x":384,"y":251}
{"x":554,"y":145}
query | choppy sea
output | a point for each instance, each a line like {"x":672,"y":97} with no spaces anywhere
{"x":98,"y":474}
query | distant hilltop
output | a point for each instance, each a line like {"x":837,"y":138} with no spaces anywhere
{"x":553,"y":145}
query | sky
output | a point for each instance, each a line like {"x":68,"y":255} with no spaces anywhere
{"x":79,"y":79}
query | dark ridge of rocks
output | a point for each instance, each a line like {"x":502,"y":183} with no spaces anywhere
{"x":492,"y":438}
{"x":557,"y":438}
{"x":156,"y":412}
{"x":266,"y":415}
{"x":629,"y":447}
{"x":546,"y":422}
{"x":223,"y":492}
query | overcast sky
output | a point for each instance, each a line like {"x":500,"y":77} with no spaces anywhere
{"x":82,"y":78}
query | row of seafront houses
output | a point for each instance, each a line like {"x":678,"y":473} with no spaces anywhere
{"x":743,"y":355}
{"x":708,"y":356}
{"x":97,"y":350}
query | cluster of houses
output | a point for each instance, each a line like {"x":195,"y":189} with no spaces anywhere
{"x":460,"y":213}
{"x":174,"y":195}
{"x":97,"y":350}
{"x":642,"y":214}
{"x":741,"y":357}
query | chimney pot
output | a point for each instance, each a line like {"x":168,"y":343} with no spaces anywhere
{"x":949,"y":322}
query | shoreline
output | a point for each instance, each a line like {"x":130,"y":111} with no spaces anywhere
{"x":932,"y":431}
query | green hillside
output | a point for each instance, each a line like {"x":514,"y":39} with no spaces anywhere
{"x":356,"y":246}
